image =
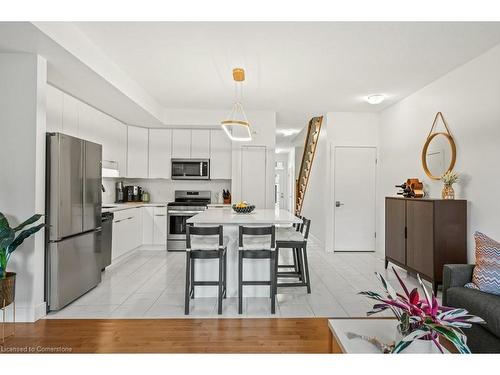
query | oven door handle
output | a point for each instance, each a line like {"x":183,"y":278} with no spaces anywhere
{"x":183,"y":213}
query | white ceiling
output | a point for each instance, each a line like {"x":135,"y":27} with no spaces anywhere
{"x":296,"y":69}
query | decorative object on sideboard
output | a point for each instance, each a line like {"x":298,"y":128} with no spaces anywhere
{"x":10,"y":240}
{"x":422,"y":321}
{"x":439,"y":152}
{"x":412,"y":188}
{"x":226,"y":196}
{"x":449,"y":178}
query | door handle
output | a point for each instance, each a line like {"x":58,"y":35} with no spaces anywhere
{"x":338,"y":204}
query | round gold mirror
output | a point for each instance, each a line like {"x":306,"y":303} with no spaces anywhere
{"x":438,"y":155}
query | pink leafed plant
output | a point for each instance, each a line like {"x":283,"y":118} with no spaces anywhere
{"x":422,"y":318}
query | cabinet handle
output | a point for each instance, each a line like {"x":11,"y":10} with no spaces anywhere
{"x":406,"y":232}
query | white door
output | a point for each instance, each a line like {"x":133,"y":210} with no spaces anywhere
{"x":280,"y":185}
{"x":253,"y":175}
{"x":354,"y":198}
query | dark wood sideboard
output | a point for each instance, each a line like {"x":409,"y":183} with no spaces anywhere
{"x":422,"y":235}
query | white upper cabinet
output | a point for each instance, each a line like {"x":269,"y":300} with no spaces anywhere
{"x":70,"y":116}
{"x":253,"y":175}
{"x":137,"y":157}
{"x":200,"y":144}
{"x":220,"y":155}
{"x":89,"y":123}
{"x":114,"y":145}
{"x":181,"y":143}
{"x":54,"y":109}
{"x":160,"y":153}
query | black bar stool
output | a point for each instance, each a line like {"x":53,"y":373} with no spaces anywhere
{"x":253,"y":246}
{"x":201,"y":244}
{"x":283,"y":232}
{"x":297,"y":241}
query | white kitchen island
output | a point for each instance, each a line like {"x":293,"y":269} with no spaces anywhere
{"x":255,"y":269}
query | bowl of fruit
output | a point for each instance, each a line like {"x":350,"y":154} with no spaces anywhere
{"x":243,"y":207}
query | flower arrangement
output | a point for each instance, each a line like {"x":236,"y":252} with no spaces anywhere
{"x":422,"y":318}
{"x":449,"y":178}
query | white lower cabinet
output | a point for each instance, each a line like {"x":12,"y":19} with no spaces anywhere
{"x":147,"y":225}
{"x":160,"y":226}
{"x":127,"y":231}
{"x":154,"y":226}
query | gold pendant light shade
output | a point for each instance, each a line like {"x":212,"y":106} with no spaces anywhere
{"x":236,"y":125}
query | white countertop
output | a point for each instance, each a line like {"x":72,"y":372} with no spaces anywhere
{"x":222,"y":205}
{"x":129,"y":205}
{"x":258,"y":216}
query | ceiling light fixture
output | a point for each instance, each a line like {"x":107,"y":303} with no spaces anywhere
{"x":236,"y":125}
{"x":288,"y":132}
{"x":375,"y":98}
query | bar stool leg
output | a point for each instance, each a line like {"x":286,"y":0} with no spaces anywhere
{"x":219,"y":297}
{"x":240,"y":282}
{"x":295,"y":262}
{"x":225,"y":274}
{"x":272,"y":258}
{"x":308,"y":280}
{"x":188,"y":286}
{"x":192,"y":278}
{"x":300,"y":268}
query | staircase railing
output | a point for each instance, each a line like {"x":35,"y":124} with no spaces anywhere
{"x":310,"y":146}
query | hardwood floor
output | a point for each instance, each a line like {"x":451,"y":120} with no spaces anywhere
{"x":305,"y":335}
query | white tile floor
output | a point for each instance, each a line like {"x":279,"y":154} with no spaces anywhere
{"x":150,"y":284}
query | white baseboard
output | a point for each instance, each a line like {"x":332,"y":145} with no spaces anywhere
{"x":27,"y":314}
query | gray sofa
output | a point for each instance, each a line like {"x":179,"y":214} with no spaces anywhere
{"x":481,"y":338}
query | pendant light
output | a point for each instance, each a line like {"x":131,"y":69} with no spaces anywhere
{"x":236,"y":125}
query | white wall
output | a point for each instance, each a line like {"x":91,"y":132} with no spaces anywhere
{"x":338,"y":129}
{"x":22,"y":171}
{"x":345,"y":129}
{"x":469,"y":98}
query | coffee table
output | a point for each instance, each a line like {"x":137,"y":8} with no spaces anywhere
{"x":383,"y":329}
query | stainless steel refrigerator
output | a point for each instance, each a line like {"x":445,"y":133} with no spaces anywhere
{"x":73,"y":205}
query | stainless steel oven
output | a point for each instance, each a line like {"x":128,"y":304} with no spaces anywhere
{"x":190,"y":169}
{"x":186,"y":205}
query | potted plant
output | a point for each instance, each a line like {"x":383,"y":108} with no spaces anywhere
{"x":10,"y":239}
{"x":422,"y":320}
{"x":449,"y":178}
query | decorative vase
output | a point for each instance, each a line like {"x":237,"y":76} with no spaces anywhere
{"x":448,"y":192}
{"x":7,"y":289}
{"x":421,"y":347}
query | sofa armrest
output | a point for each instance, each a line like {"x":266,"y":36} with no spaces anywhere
{"x":456,"y":275}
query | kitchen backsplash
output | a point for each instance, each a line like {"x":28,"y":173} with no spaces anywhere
{"x":163,"y":190}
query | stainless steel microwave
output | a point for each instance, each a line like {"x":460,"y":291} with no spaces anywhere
{"x":190,"y":169}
